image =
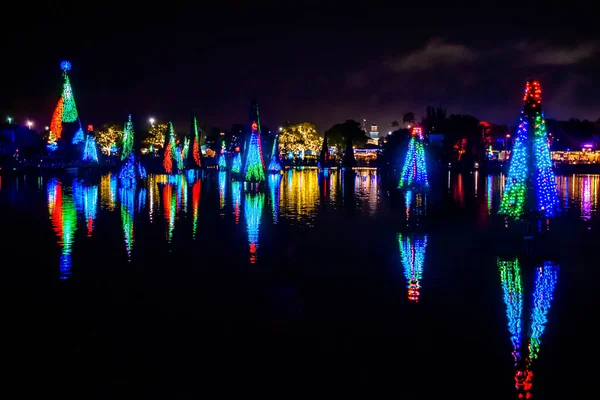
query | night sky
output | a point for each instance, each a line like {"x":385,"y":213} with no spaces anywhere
{"x":316,"y":63}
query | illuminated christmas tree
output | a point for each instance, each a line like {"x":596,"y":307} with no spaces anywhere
{"x":236,"y":166}
{"x":128,"y":134}
{"x":79,"y":136}
{"x":222,"y":159}
{"x":90,"y":149}
{"x":414,"y":170}
{"x":274,"y":164}
{"x":65,"y":112}
{"x":186,"y":149}
{"x":254,"y":168}
{"x":193,"y":159}
{"x":530,"y":185}
{"x":170,"y":154}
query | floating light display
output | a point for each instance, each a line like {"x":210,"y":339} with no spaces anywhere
{"x":531,"y":184}
{"x":254,"y":169}
{"x":171,"y":154}
{"x":412,"y":252}
{"x":274,"y":164}
{"x":69,"y":113}
{"x":170,"y":209}
{"x":253,"y":207}
{"x":90,"y":152}
{"x":236,"y":165}
{"x":128,"y":139}
{"x":414,"y":170}
{"x":196,"y":145}
{"x":79,"y":136}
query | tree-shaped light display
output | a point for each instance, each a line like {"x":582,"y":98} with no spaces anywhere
{"x":274,"y":164}
{"x":79,"y":136}
{"x":414,"y":170}
{"x":236,"y":165}
{"x":195,"y":160}
{"x":530,"y":185}
{"x":254,"y":169}
{"x":65,"y":111}
{"x":170,"y":155}
{"x":128,"y":134}
{"x":222,"y":159}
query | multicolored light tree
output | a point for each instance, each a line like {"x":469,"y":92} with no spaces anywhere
{"x":236,"y":165}
{"x":170,"y":151}
{"x":65,"y":111}
{"x":414,"y":170}
{"x":530,"y":185}
{"x":222,"y":159}
{"x":274,"y":164}
{"x":63,"y":215}
{"x":412,"y":251}
{"x":254,"y":168}
{"x":192,"y":158}
{"x":90,"y":150}
{"x":545,"y":282}
{"x":132,"y":169}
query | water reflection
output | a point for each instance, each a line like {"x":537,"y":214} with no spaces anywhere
{"x":170,"y":208}
{"x":253,"y":208}
{"x":222,"y":191}
{"x":366,"y":189}
{"x":108,"y":191}
{"x":127,"y":199}
{"x":412,"y":252}
{"x":275,"y":191}
{"x":196,"y":187}
{"x":546,"y":277}
{"x":299,"y":196}
{"x":86,"y":202}
{"x":63,"y":215}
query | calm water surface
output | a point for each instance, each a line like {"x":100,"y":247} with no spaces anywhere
{"x":318,"y":283}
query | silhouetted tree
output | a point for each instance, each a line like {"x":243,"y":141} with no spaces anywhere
{"x":408,"y":118}
{"x":350,"y":129}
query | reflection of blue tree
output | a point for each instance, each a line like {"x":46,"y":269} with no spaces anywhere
{"x":275,"y":189}
{"x":412,"y":251}
{"x":253,"y":207}
{"x":545,"y":283}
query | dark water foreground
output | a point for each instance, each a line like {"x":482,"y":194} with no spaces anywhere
{"x":192,"y":287}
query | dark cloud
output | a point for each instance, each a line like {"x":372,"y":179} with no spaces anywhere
{"x":548,"y":55}
{"x":436,"y":53}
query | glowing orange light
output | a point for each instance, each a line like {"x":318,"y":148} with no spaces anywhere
{"x":90,"y":128}
{"x":254,"y":126}
{"x":56,"y":123}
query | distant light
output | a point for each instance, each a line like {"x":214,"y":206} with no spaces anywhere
{"x":9,"y":119}
{"x":151,"y":121}
{"x":390,"y":132}
{"x":588,"y":145}
{"x":280,"y":129}
{"x":408,"y":126}
{"x":508,"y":135}
{"x":46,"y":128}
{"x":29,"y":124}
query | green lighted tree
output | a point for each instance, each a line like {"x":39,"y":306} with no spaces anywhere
{"x":127,"y":139}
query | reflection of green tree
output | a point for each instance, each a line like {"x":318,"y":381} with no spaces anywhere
{"x":300,"y":137}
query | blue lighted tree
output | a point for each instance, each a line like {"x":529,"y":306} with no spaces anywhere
{"x":414,"y":170}
{"x":254,"y":168}
{"x":530,"y":185}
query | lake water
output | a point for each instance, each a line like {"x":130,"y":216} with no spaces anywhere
{"x":325,"y":285}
